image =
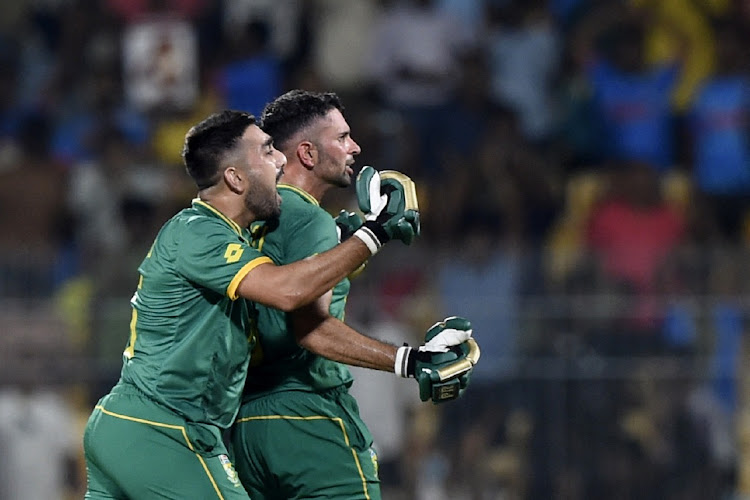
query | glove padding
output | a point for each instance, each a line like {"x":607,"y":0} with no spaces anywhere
{"x":443,"y":365}
{"x":388,"y":200}
{"x":444,"y":378}
{"x":346,"y":224}
{"x":447,"y":333}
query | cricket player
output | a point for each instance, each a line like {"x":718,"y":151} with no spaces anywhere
{"x":299,"y":433}
{"x":158,"y":433}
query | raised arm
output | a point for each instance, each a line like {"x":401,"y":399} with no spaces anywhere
{"x":389,"y":202}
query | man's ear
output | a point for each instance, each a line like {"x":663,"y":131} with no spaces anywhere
{"x":233,"y":178}
{"x":307,"y":154}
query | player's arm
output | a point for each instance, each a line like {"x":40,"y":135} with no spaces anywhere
{"x":391,"y":210}
{"x":442,"y":365}
{"x":319,"y":332}
{"x":291,"y":286}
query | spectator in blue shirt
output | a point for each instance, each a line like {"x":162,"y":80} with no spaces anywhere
{"x":254,"y":76}
{"x":632,"y":100}
{"x":719,"y":126}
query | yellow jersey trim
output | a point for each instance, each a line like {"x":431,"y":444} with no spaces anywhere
{"x":130,"y":349}
{"x":307,"y":196}
{"x":318,"y":417}
{"x":168,"y":426}
{"x":235,"y":283}
{"x":232,"y":224}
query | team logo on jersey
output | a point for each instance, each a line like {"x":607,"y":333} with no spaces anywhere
{"x":374,"y":458}
{"x":233,"y":252}
{"x":229,"y":469}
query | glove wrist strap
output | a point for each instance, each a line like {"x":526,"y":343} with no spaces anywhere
{"x":403,"y":360}
{"x":373,"y":235}
{"x":378,"y":230}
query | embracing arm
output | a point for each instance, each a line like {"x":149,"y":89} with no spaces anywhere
{"x":293,"y":285}
{"x":392,"y":212}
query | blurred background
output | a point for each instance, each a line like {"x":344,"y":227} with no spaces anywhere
{"x":583,"y":169}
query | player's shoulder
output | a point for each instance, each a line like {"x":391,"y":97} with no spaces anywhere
{"x":190,"y":223}
{"x":300,"y":207}
{"x":296,"y":196}
{"x":302,"y":228}
{"x":194,"y":220}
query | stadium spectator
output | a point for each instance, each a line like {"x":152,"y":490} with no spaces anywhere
{"x":341,"y":41}
{"x":524,"y":52}
{"x":681,"y":29}
{"x":31,"y":225}
{"x":414,"y":61}
{"x":252,"y":75}
{"x":720,"y":134}
{"x":286,"y":21}
{"x":631,"y":231}
{"x":631,"y":100}
{"x":38,"y":436}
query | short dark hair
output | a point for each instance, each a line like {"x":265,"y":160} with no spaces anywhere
{"x":291,"y":112}
{"x":208,"y":142}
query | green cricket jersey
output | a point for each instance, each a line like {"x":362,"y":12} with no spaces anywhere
{"x":278,"y":363}
{"x":190,"y":333}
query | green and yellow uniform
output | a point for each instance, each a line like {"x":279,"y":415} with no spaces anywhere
{"x":298,"y":433}
{"x":158,"y":433}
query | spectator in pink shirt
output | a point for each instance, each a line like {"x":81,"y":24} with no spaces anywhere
{"x":631,"y":232}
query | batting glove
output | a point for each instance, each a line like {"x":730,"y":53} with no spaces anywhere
{"x":442,"y":365}
{"x":346,"y":224}
{"x":388,"y":200}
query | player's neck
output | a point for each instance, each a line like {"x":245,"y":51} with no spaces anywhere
{"x":229,"y":205}
{"x":307,"y":183}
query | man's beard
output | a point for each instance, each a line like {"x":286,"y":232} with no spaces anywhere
{"x":342,"y":180}
{"x":262,"y":202}
{"x":339,"y":179}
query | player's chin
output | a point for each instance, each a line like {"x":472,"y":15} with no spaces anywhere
{"x":277,"y":207}
{"x":344,"y":181}
{"x":269,"y":210}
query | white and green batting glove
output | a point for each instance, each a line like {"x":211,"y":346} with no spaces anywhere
{"x":388,"y":200}
{"x":442,"y":365}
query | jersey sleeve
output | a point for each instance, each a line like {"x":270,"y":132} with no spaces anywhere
{"x":214,"y":256}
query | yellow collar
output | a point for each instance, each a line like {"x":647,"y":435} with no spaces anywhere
{"x":206,"y":205}
{"x":304,"y":194}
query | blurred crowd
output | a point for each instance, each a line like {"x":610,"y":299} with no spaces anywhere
{"x":583,"y":169}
